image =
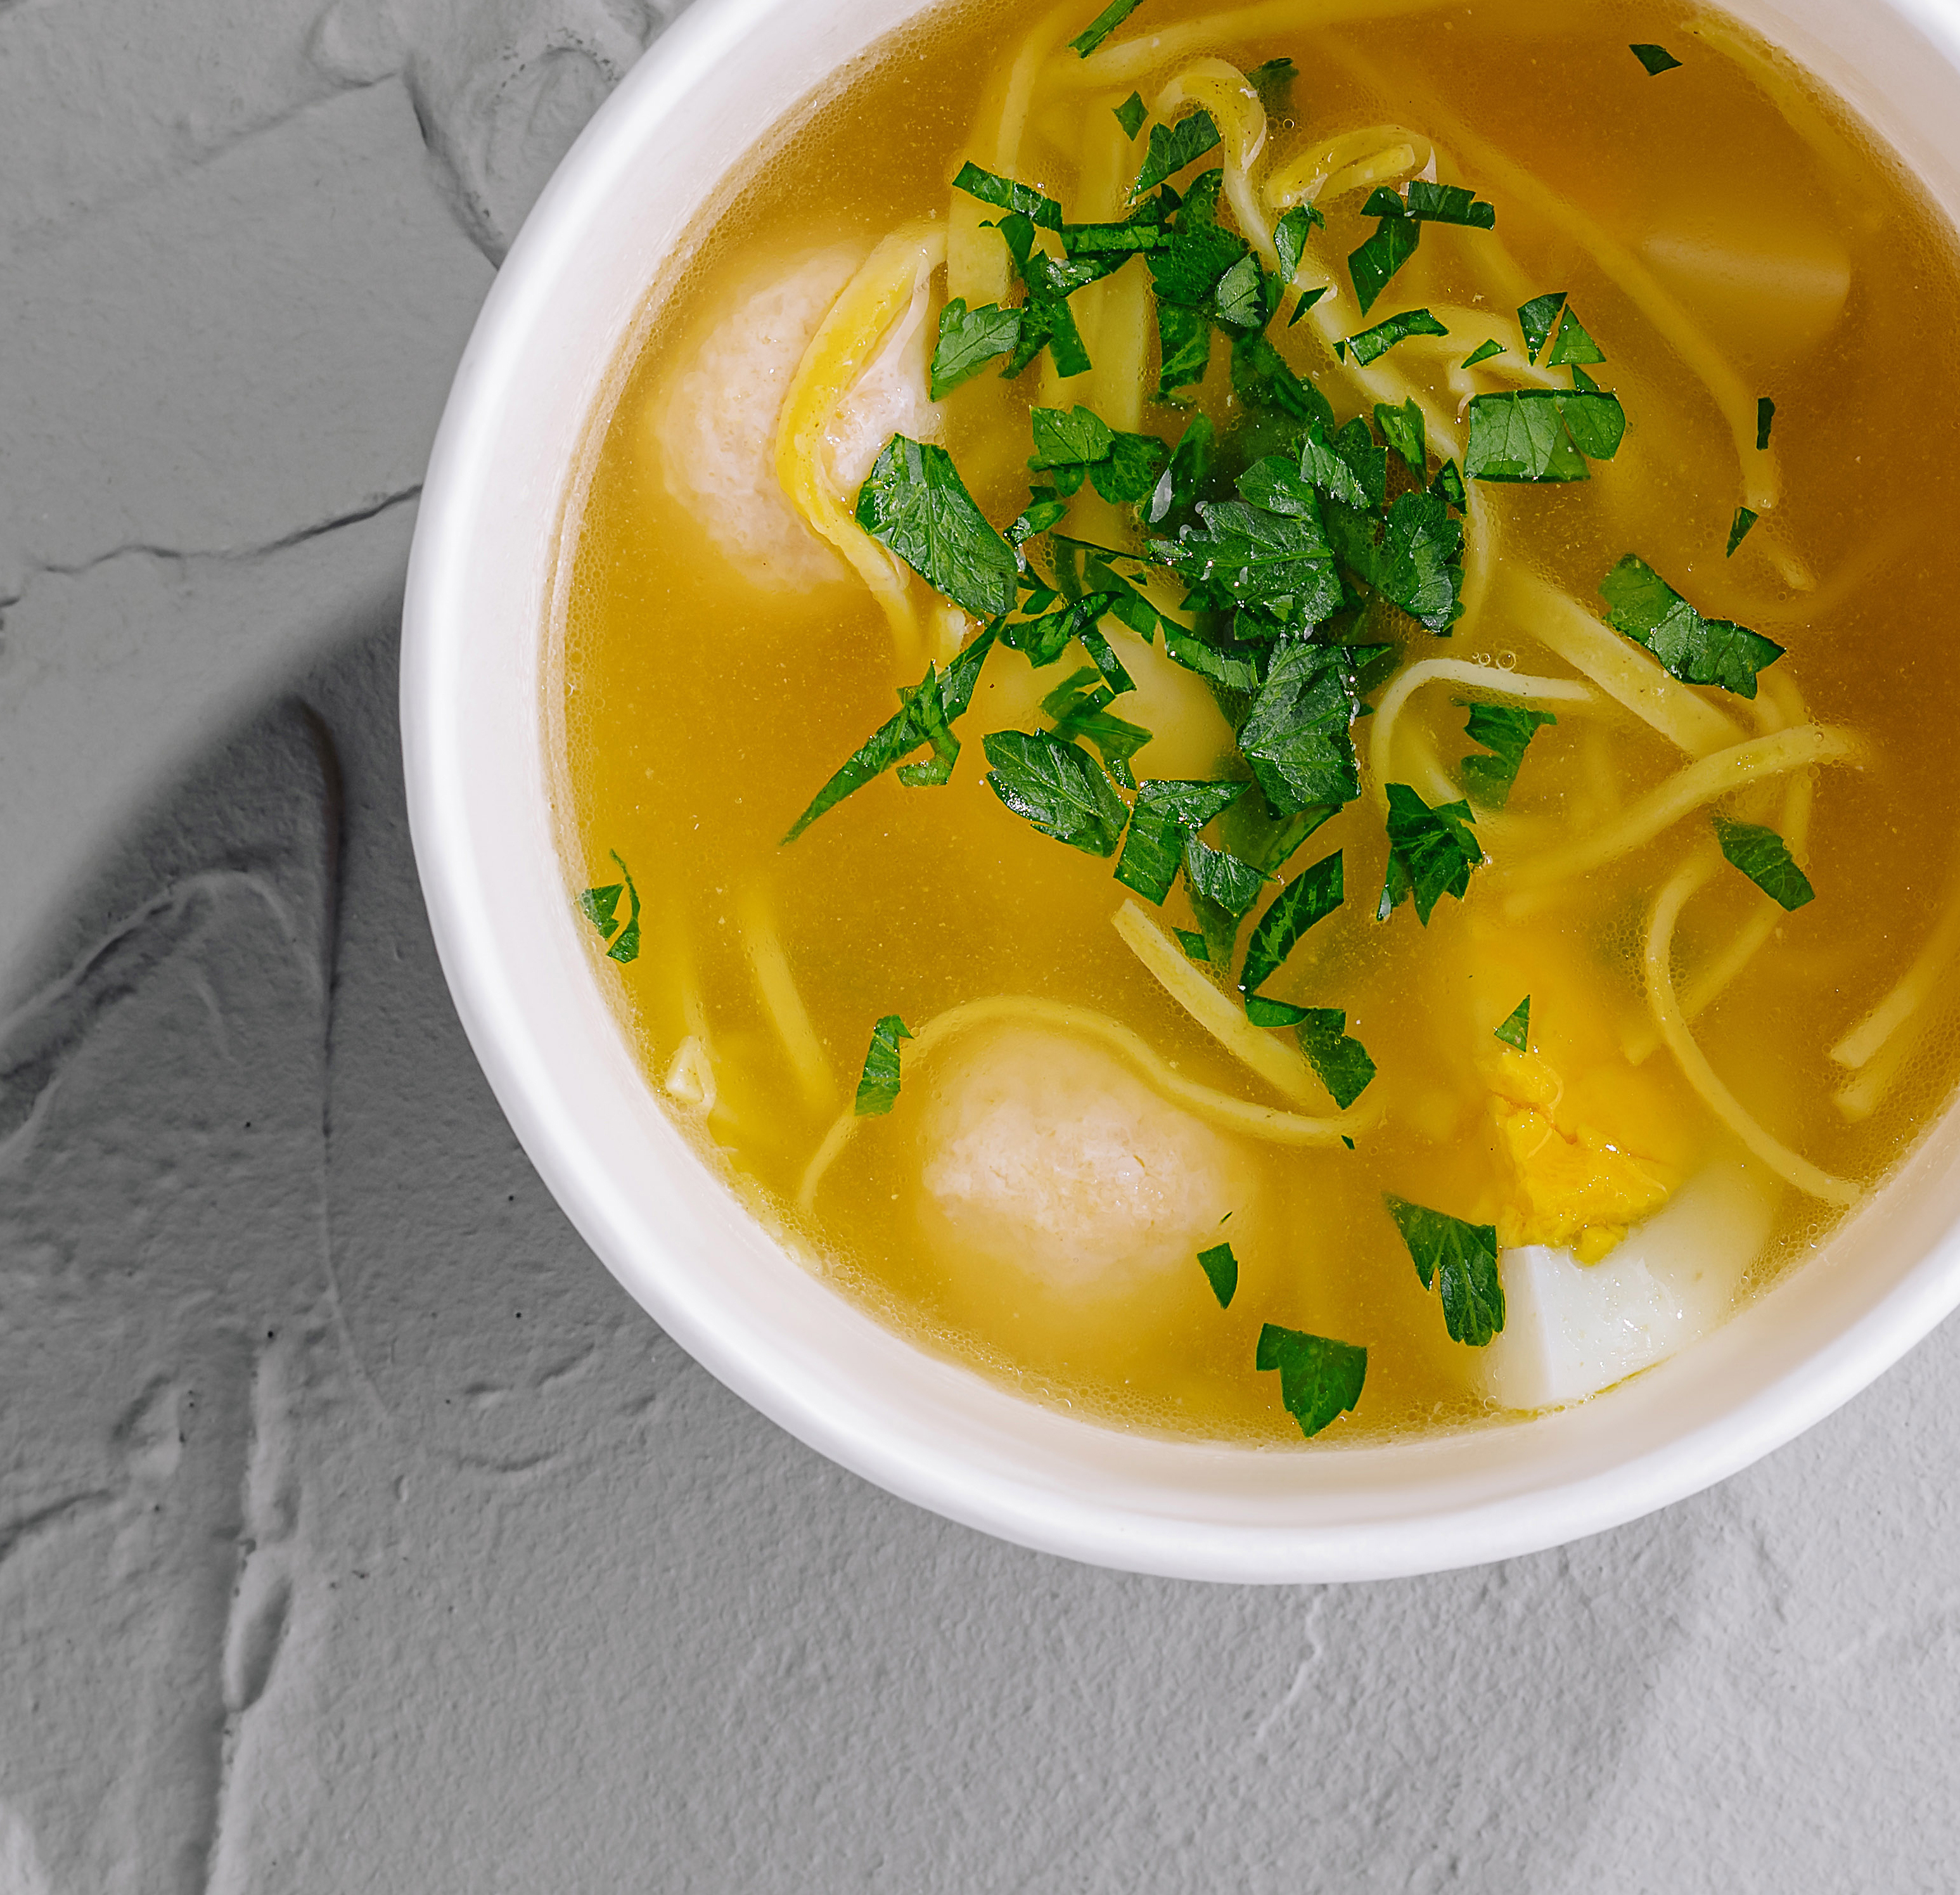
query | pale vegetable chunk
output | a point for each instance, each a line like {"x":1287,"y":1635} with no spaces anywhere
{"x":716,"y":429}
{"x":1573,"y":1328}
{"x":1050,"y":1156}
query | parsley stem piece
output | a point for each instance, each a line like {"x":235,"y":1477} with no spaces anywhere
{"x":1320,"y":1379}
{"x":878,"y":1088}
{"x":1221,"y":1271}
{"x":1462,"y":1259}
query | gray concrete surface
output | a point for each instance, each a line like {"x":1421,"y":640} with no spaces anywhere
{"x":355,"y":1532}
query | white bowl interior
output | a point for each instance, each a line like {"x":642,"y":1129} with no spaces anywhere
{"x":479,"y":774}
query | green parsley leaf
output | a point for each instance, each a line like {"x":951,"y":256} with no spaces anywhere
{"x":1184,"y":475}
{"x":878,"y":1087}
{"x":1298,"y":736}
{"x":916,"y":503}
{"x":1745,"y":519}
{"x":1431,"y":852}
{"x":1046,"y":321}
{"x":1340,"y":1061}
{"x":1254,"y":833}
{"x":1183,"y":348}
{"x":1173,"y":148}
{"x":1058,"y":787}
{"x":1448,"y":486}
{"x":1240,"y":297}
{"x":1245,"y":555}
{"x":1273,"y":81}
{"x":1365,"y":347}
{"x":1262,"y":378}
{"x":1193,"y":944}
{"x":1515,"y":1031}
{"x":1165,"y":816}
{"x":1320,"y":1379}
{"x":1536,"y":318}
{"x":1099,"y":29}
{"x":1656,"y":60}
{"x":1131,"y":114}
{"x":1463,"y":1258}
{"x":1542,"y":434}
{"x":1573,"y":345}
{"x":1645,"y":608}
{"x":1036,"y":518}
{"x":1008,"y":194}
{"x":1325,"y":468}
{"x":1412,"y":555}
{"x":601,"y":906}
{"x":1483,"y":353}
{"x":1765,"y":420}
{"x":1307,"y":900}
{"x":1760,"y":855}
{"x":1504,"y":730}
{"x":1290,"y":235}
{"x":968,"y":340}
{"x":1067,"y":437}
{"x":1307,"y":298}
{"x":1222,"y":879}
{"x":1402,"y":428}
{"x":1262,"y":1012}
{"x":1221,"y":1272}
{"x":1449,"y":204}
{"x":1086,"y":714}
{"x":1371,"y":267}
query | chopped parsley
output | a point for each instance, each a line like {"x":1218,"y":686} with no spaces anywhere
{"x":1516,"y":1031}
{"x":1412,"y":555}
{"x":1463,"y":1259}
{"x":1305,"y":300}
{"x":878,"y":1085}
{"x":1536,"y":318}
{"x":1656,"y":60}
{"x":1404,"y":430}
{"x":1307,"y":900}
{"x":1297,"y":736}
{"x":1762,"y":854}
{"x":1176,"y":148}
{"x":1290,"y":235}
{"x":1371,"y":267}
{"x":600,"y":906}
{"x":1070,"y":443}
{"x":1057,"y":786}
{"x":1339,"y":1061}
{"x":1320,"y":1379}
{"x":1574,"y":344}
{"x":1504,"y":730}
{"x":1645,"y":608}
{"x":1745,"y":519}
{"x":915,"y":504}
{"x":1008,"y":194}
{"x":1483,"y":353}
{"x":1046,"y":319}
{"x":1542,"y":434}
{"x":968,"y":340}
{"x":1765,"y":420}
{"x":1246,"y":554}
{"x":1099,"y":29}
{"x":1131,"y":114}
{"x":1080,"y":713}
{"x":1273,"y":80}
{"x":1364,"y":348}
{"x":1165,"y":816}
{"x":1193,"y":944}
{"x":1263,"y":1012}
{"x":1431,"y":852}
{"x":1221,"y":1272}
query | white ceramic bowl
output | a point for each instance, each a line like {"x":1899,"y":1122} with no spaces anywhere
{"x":474,"y":740}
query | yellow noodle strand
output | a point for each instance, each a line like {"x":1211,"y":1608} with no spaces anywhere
{"x":784,"y":1004}
{"x":1228,"y":95}
{"x":1218,"y":1108}
{"x":1787,"y":1165}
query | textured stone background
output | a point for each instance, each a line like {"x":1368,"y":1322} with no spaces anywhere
{"x":355,"y":1532}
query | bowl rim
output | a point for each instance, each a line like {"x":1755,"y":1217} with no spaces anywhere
{"x":487,"y":983}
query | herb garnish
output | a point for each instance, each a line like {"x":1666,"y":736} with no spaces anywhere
{"x":1307,"y":900}
{"x":1656,"y":60}
{"x":1642,"y":605}
{"x":1364,"y":348}
{"x":1431,"y":852}
{"x":878,"y":1087}
{"x":1175,"y":147}
{"x":1069,"y":443}
{"x":1400,"y":230}
{"x":1765,"y":420}
{"x":1320,"y":1379}
{"x":1542,"y":434}
{"x":1515,"y":1031}
{"x":1483,"y":353}
{"x":1221,"y":1271}
{"x":1762,"y":856}
{"x":1058,"y":787}
{"x":1745,"y":519}
{"x":1099,"y":29}
{"x":1008,"y":194}
{"x":1463,"y":1258}
{"x":916,"y":503}
{"x":968,"y":340}
{"x":1290,"y":235}
{"x":600,"y":906}
{"x":1272,"y":79}
{"x":1504,"y":730}
{"x":1340,"y":1061}
{"x":1296,"y":736}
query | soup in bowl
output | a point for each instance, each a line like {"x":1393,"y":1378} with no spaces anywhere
{"x":1184,"y":767}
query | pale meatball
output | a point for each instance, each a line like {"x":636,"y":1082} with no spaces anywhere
{"x":718,"y":424}
{"x":1572,"y":1329}
{"x":1047,"y":1155}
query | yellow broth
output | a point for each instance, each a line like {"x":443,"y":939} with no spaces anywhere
{"x":700,"y":712}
